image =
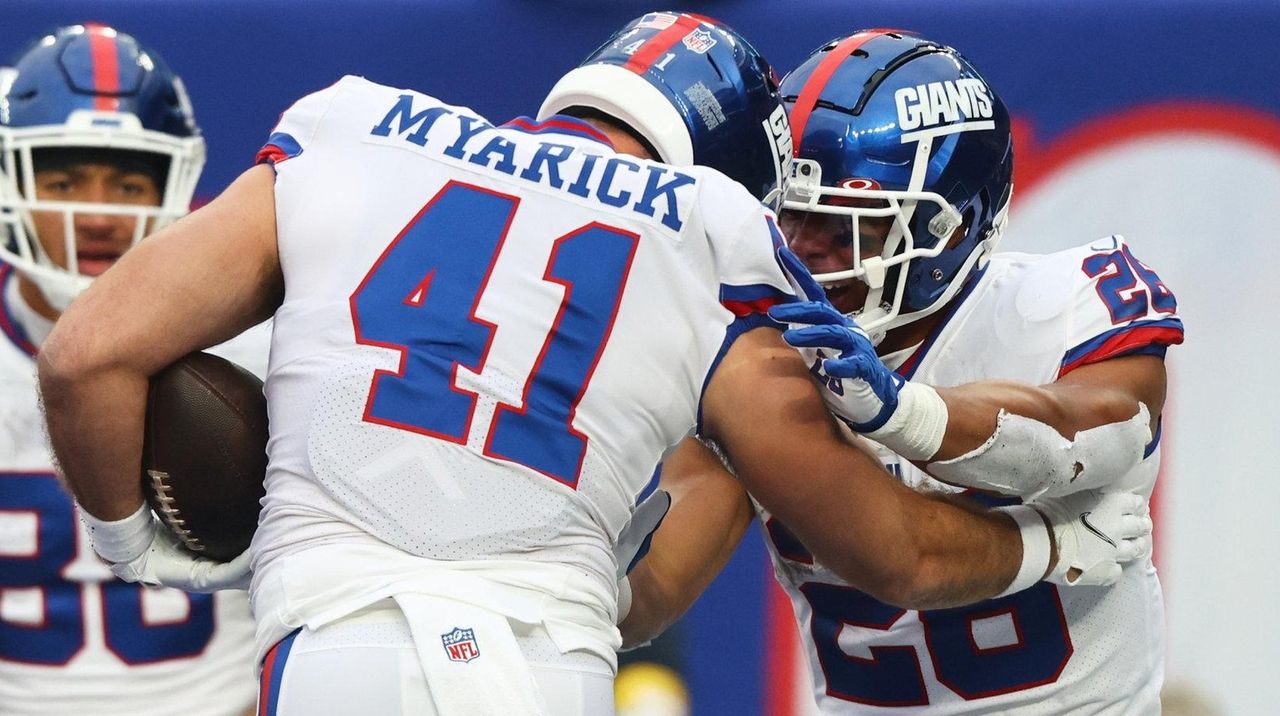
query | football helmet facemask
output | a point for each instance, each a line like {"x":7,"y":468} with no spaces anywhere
{"x":905,"y":140}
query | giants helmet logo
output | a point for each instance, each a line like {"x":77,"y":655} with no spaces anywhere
{"x":779,"y":131}
{"x":935,"y":103}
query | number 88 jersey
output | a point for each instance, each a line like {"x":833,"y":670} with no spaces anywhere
{"x":1047,"y":649}
{"x":73,"y":638}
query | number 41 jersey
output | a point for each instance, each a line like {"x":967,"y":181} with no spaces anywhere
{"x":1048,"y":649}
{"x":489,"y":334}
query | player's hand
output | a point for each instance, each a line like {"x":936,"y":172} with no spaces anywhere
{"x":167,"y":563}
{"x":634,"y":539}
{"x":864,"y":392}
{"x":1096,"y":534}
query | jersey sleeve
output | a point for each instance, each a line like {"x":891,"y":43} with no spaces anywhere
{"x":755,"y":268}
{"x":758,"y":272}
{"x":1120,"y":307}
{"x":297,"y":126}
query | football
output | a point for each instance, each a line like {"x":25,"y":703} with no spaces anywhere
{"x":204,"y":453}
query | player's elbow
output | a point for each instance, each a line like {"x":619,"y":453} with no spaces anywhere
{"x":62,"y":362}
{"x":72,"y":356}
{"x":1074,"y":411}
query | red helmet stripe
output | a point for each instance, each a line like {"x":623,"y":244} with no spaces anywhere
{"x":817,"y":82}
{"x":106,"y":67}
{"x":655,"y":47}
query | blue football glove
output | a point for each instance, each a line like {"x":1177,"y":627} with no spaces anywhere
{"x":864,"y":392}
{"x":908,"y":418}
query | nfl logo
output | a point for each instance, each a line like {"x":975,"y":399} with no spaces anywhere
{"x":699,"y":41}
{"x":460,"y":645}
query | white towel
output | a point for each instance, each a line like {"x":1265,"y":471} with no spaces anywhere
{"x":470,"y":657}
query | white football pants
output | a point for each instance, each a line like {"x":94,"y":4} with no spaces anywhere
{"x":367,"y":664}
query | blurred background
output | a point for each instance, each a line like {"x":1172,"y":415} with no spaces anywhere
{"x":1160,"y":121}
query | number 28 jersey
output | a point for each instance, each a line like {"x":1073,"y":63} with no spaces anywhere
{"x":1048,"y":649}
{"x":489,"y":334}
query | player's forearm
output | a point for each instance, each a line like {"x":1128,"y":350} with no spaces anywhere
{"x":973,"y":408}
{"x":1030,"y":441}
{"x":652,"y":609}
{"x":961,"y":555}
{"x":94,"y":419}
{"x":709,"y":514}
{"x":930,"y":551}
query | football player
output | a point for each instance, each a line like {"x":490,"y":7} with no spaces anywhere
{"x":98,"y":146}
{"x":486,"y":337}
{"x":1020,"y":375}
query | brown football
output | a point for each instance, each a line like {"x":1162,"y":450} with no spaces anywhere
{"x":204,"y":453}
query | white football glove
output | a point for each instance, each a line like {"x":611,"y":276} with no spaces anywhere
{"x":1096,"y":534}
{"x":142,"y":549}
{"x":633,"y":544}
{"x":633,"y":541}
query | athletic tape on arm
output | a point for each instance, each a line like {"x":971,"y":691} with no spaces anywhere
{"x":1029,"y":458}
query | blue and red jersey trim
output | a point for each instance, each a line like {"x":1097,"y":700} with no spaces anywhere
{"x":743,"y":301}
{"x":273,"y":674}
{"x":559,"y":124}
{"x":280,"y":146}
{"x":8,"y":324}
{"x":912,"y":363}
{"x":1155,"y":439}
{"x":1137,"y":338}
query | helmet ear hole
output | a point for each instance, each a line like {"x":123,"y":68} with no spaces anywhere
{"x":966,"y":223}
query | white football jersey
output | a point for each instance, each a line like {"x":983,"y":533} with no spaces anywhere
{"x":1048,"y":649}
{"x":489,"y":334}
{"x":73,"y":638}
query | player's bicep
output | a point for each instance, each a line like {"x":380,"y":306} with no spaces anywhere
{"x":196,"y":283}
{"x":763,"y":407}
{"x":1094,"y":391}
{"x":759,"y":404}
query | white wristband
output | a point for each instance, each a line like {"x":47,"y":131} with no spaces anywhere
{"x":1035,"y":547}
{"x":120,"y":541}
{"x":916,"y":429}
{"x":624,"y":598}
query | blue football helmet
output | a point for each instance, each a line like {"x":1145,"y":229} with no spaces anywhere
{"x":90,"y":88}
{"x":695,"y":90}
{"x":889,"y":127}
